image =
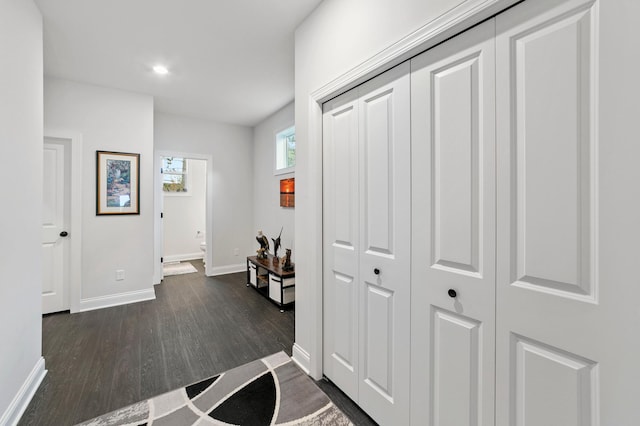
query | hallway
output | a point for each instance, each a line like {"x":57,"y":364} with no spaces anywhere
{"x":197,"y":327}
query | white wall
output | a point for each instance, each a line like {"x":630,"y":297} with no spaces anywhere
{"x":336,"y":38}
{"x":184,"y":216}
{"x":109,"y":120}
{"x":232,"y":181}
{"x":21,"y":138}
{"x":268,"y":215}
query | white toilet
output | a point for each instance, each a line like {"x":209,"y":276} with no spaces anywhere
{"x":203,"y":247}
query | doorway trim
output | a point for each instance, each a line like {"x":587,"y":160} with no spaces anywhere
{"x":455,"y":21}
{"x":158,"y":206}
{"x":75,"y":215}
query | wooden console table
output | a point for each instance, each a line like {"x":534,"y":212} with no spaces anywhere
{"x":271,"y":281}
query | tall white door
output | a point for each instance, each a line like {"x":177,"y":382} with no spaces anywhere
{"x":367,"y":244}
{"x":55,"y":220}
{"x":385,"y":246}
{"x":567,"y":292}
{"x":341,"y":242}
{"x":453,"y":267}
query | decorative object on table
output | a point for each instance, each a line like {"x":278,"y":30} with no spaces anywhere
{"x":117,"y":183}
{"x":276,"y":243}
{"x":288,"y":192}
{"x":263,"y":251}
{"x":288,"y":266}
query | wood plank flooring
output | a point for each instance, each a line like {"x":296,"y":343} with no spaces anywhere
{"x":197,"y":327}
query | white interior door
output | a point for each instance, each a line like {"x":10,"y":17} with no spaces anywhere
{"x":565,"y":354}
{"x":367,"y":172}
{"x":385,"y":246}
{"x":55,"y":220}
{"x":341,"y":242}
{"x":453,"y":292}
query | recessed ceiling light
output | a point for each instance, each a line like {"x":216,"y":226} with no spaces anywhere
{"x":160,"y":70}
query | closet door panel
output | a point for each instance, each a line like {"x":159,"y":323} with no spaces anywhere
{"x":551,"y":331}
{"x":385,"y":246}
{"x":453,"y":223}
{"x":341,"y":243}
{"x":457,"y":354}
{"x":378,"y":168}
{"x":378,"y":367}
{"x":551,"y":386}
{"x":455,"y":166}
{"x":551,"y":145}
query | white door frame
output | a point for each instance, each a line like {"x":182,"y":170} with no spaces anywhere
{"x":75,"y":215}
{"x":159,"y":203}
{"x":457,"y":20}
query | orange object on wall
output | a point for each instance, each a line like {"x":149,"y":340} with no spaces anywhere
{"x":288,"y":192}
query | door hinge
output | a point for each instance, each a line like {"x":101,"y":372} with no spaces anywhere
{"x":161,"y":170}
{"x":162,"y":215}
{"x":162,"y":260}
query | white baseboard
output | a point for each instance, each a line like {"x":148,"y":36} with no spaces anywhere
{"x":301,"y":358}
{"x":181,"y":257}
{"x":228,"y":269}
{"x":116,"y":299}
{"x":22,"y":399}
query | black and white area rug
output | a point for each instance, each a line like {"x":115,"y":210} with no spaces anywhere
{"x":269,"y":391}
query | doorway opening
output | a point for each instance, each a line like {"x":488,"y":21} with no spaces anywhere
{"x":184,"y":191}
{"x":183,"y":207}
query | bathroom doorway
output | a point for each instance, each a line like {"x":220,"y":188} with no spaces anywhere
{"x":184,"y":190}
{"x":183,"y":203}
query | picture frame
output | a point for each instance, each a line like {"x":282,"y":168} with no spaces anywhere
{"x":117,"y":183}
{"x":288,"y":192}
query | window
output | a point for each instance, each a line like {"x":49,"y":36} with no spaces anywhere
{"x":174,"y":175}
{"x":286,"y":151}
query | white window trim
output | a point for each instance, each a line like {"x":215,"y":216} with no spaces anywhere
{"x":288,"y":170}
{"x":276,"y":170}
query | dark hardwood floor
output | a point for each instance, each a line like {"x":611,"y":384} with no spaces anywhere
{"x":197,"y":327}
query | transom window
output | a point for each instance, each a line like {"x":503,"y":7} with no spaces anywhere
{"x":286,"y":151}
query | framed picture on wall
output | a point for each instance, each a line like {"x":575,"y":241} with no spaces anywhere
{"x":288,"y":192}
{"x":117,"y":183}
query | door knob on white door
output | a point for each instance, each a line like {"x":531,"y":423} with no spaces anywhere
{"x":64,"y":233}
{"x":376,"y":271}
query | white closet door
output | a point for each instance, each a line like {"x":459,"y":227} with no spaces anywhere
{"x":453,"y":267}
{"x":341,"y":242}
{"x":385,"y":245}
{"x":367,"y":220}
{"x":565,"y":352}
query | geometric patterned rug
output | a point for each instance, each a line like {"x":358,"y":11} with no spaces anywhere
{"x":269,"y":391}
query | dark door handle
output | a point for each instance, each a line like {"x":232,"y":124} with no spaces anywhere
{"x":64,"y":233}
{"x":452,"y":293}
{"x":376,"y":271}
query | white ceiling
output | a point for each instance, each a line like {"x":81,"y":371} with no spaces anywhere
{"x":230,"y":60}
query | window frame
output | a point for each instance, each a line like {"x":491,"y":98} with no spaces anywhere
{"x":279,"y":138}
{"x":184,"y":174}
